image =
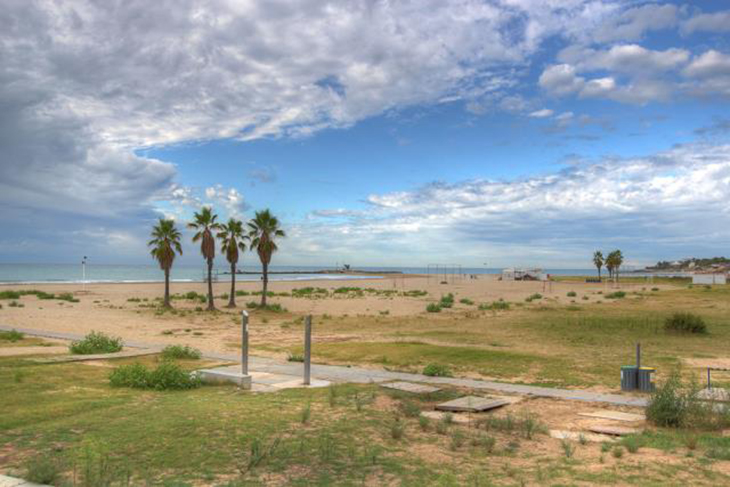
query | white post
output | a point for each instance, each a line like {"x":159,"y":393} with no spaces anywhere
{"x":83,"y":274}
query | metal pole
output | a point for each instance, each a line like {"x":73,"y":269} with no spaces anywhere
{"x":709,"y":383}
{"x":244,"y":342}
{"x":307,"y":349}
{"x":638,"y":356}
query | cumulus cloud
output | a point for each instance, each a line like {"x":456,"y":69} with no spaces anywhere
{"x":633,"y":23}
{"x":543,"y":113}
{"x":661,"y":204}
{"x":714,"y":22}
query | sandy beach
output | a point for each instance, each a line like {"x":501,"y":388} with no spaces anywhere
{"x":107,"y":307}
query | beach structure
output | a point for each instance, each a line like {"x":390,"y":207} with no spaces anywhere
{"x":445,"y":272}
{"x":523,"y":274}
{"x":709,"y":279}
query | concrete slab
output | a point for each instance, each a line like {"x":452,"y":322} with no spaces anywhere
{"x":613,"y":430}
{"x":297,"y":383}
{"x":220,"y":376}
{"x":615,"y":415}
{"x":472,"y":404}
{"x":714,"y":394}
{"x":6,"y":481}
{"x":96,"y":356}
{"x":410,"y":387}
{"x":576,"y":436}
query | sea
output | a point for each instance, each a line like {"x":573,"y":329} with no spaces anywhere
{"x":109,"y":273}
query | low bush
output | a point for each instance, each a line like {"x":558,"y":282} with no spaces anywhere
{"x":685,"y":323}
{"x":572,"y":294}
{"x":295,"y":357}
{"x":183,"y":352}
{"x":167,"y":376}
{"x":10,"y":294}
{"x":11,"y":336}
{"x":466,"y":301}
{"x":533,"y":297}
{"x":616,"y":295}
{"x":433,"y":308}
{"x":437,"y":370}
{"x":676,"y":405}
{"x":96,"y":342}
{"x":447,"y":301}
{"x":44,"y":469}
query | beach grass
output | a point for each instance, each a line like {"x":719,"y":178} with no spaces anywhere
{"x":65,"y":418}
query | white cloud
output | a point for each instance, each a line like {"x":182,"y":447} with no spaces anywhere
{"x":631,"y":24}
{"x":715,"y":22}
{"x":661,"y":204}
{"x":230,"y":199}
{"x":544,"y":113}
{"x":710,"y":63}
{"x":561,"y":79}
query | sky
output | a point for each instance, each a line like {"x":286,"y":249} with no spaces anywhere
{"x":381,"y":133}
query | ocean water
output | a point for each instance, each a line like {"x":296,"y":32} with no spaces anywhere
{"x":100,"y":273}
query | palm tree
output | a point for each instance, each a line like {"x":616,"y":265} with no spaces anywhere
{"x":205,"y":222}
{"x":232,"y":240}
{"x":263,"y":230}
{"x":617,"y":258}
{"x":598,"y":262}
{"x":165,"y":242}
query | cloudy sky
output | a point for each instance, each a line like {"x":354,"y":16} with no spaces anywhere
{"x":381,"y":132}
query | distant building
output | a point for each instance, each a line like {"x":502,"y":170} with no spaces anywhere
{"x":709,"y":279}
{"x":514,"y":274}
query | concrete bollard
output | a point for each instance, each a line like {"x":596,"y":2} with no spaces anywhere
{"x":307,"y":350}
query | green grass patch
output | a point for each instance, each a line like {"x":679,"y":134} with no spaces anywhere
{"x":183,"y":352}
{"x":96,"y":342}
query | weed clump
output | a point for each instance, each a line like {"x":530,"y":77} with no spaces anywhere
{"x":96,"y":342}
{"x":494,"y":305}
{"x":11,"y":336}
{"x":685,"y":323}
{"x":183,"y":352}
{"x":167,"y":376}
{"x":447,"y":301}
{"x":572,"y":294}
{"x":466,"y":301}
{"x":437,"y":370}
{"x":616,"y":295}
{"x":533,"y":297}
{"x":433,"y":308}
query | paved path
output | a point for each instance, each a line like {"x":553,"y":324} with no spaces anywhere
{"x":338,"y":373}
{"x":6,"y":481}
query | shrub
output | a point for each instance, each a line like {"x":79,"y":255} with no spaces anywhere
{"x":676,"y":405}
{"x":457,"y":440}
{"x":423,"y":422}
{"x":447,"y":301}
{"x":10,"y":295}
{"x":11,"y":336}
{"x":484,"y":441}
{"x":133,"y":375}
{"x":433,"y":308}
{"x":655,"y":289}
{"x":572,"y":294}
{"x":295,"y":357}
{"x":437,"y":370}
{"x":533,"y":297}
{"x":616,"y":295}
{"x":632,"y":443}
{"x":617,"y":452}
{"x":397,"y":428}
{"x":685,"y":323}
{"x":43,"y":469}
{"x":568,"y":448}
{"x":466,"y":301}
{"x":96,"y":342}
{"x":66,"y":297}
{"x":181,"y":352}
{"x":167,"y":376}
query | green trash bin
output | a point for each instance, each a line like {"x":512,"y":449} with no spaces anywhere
{"x":646,"y":379}
{"x":629,"y":378}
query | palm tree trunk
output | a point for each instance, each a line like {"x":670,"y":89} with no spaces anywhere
{"x":266,"y":284}
{"x":211,"y":306}
{"x":166,"y":302}
{"x":232,"y":298}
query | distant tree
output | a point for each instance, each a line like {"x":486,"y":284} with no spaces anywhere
{"x":232,"y":240}
{"x":263,"y":231}
{"x":204,"y":222}
{"x":598,"y":261}
{"x":164,"y":244}
{"x":613,"y":263}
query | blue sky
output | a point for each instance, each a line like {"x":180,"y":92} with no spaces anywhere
{"x":512,"y":132}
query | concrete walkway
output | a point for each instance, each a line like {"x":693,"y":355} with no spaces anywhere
{"x":338,"y":373}
{"x":6,"y":481}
